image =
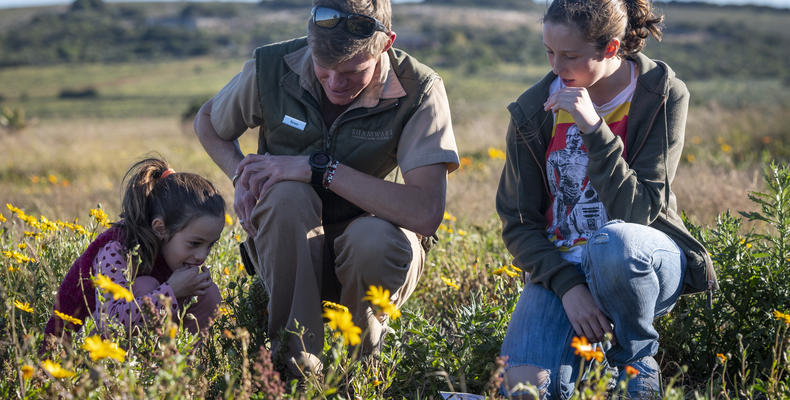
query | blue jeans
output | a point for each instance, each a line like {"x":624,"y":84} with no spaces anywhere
{"x":635,"y":274}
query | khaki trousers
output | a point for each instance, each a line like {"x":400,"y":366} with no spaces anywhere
{"x":303,"y":262}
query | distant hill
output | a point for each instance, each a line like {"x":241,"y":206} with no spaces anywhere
{"x":700,"y":40}
{"x":509,"y":4}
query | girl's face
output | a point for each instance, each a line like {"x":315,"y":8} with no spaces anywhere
{"x":577,"y":62}
{"x":190,"y":246}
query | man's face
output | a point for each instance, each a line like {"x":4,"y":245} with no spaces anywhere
{"x":345,"y":81}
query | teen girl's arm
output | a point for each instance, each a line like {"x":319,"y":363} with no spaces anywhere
{"x":111,"y":262}
{"x":637,"y":192}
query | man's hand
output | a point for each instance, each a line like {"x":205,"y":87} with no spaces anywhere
{"x":576,"y":101}
{"x":243,"y":203}
{"x":586,"y":318}
{"x":257,"y":173}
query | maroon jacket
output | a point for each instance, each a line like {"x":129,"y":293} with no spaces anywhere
{"x":77,"y":296}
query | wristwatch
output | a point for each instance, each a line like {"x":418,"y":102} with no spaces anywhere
{"x":319,"y":161}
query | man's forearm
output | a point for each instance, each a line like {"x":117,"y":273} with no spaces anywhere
{"x":417,"y":205}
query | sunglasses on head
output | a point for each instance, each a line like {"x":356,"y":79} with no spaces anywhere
{"x":356,"y":24}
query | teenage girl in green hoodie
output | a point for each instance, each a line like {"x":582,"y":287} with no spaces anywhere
{"x":586,"y":203}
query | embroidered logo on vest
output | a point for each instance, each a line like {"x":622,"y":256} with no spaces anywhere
{"x":371,"y":135}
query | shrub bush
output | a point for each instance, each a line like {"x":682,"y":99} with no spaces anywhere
{"x":753,"y":270}
{"x":83,"y":93}
{"x":447,"y":338}
{"x":13,"y":119}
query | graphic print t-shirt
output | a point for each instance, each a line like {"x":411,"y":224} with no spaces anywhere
{"x":576,"y":211}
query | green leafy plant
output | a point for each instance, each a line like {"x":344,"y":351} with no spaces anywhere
{"x":13,"y":119}
{"x":752,"y":269}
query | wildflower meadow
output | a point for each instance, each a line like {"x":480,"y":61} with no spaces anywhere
{"x":84,"y":91}
{"x":446,"y":338}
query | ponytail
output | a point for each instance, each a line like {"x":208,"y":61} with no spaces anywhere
{"x":642,"y":22}
{"x":600,"y":21}
{"x":153,"y":190}
{"x":135,"y":222}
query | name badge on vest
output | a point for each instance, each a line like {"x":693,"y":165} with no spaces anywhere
{"x":294,"y":123}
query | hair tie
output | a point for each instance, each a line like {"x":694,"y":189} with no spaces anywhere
{"x":166,"y":173}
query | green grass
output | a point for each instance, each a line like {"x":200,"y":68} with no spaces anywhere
{"x":448,"y":337}
{"x":165,"y":88}
{"x":739,"y":94}
{"x":124,"y":90}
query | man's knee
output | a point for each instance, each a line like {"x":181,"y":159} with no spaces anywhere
{"x":526,"y":382}
{"x":374,"y":237}
{"x":372,"y":242}
{"x":286,"y":195}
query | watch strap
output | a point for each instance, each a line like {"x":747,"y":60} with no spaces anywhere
{"x":317,"y":178}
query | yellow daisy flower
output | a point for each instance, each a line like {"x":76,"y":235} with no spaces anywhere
{"x":450,"y":283}
{"x":23,"y":306}
{"x":782,"y":316}
{"x":68,"y":318}
{"x":27,"y":371}
{"x":340,"y":322}
{"x":56,"y":370}
{"x":334,"y":306}
{"x":509,"y":270}
{"x":172,"y":331}
{"x":496,"y":154}
{"x":380,"y":297}
{"x":18,"y":257}
{"x":99,"y":349}
{"x":100,"y":216}
{"x":107,"y":285}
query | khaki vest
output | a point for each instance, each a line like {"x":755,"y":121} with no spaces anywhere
{"x":365,"y":139}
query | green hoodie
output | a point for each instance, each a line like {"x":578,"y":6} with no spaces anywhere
{"x":635,"y":190}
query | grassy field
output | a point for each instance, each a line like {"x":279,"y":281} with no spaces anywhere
{"x":138,"y":109}
{"x":71,"y":154}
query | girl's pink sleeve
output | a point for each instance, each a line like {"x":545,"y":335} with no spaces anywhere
{"x":111,"y":262}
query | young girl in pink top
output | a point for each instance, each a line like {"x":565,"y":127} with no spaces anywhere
{"x":175,"y":218}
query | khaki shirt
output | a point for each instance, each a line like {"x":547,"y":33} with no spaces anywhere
{"x":426,"y":139}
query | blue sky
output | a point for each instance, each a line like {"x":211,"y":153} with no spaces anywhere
{"x":29,"y":3}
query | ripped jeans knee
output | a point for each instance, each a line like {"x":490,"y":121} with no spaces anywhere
{"x":526,"y":382}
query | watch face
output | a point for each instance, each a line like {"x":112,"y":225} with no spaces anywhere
{"x":320,"y":159}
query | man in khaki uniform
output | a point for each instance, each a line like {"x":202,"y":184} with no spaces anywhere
{"x":338,"y":111}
